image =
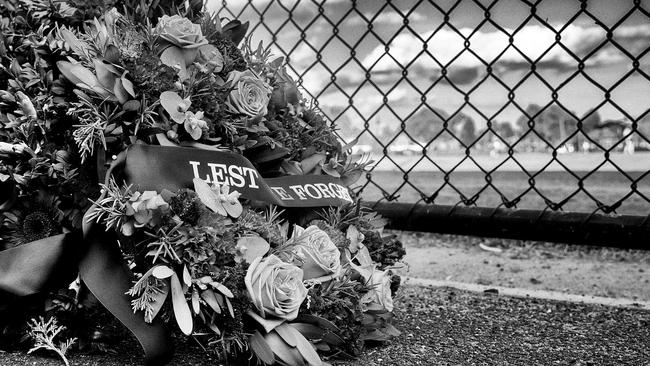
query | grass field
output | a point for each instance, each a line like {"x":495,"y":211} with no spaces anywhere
{"x":607,"y":185}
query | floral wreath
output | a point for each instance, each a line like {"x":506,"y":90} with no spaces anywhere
{"x":97,"y":108}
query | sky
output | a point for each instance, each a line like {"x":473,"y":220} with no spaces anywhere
{"x":488,"y":43}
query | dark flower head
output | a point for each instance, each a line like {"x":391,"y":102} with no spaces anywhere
{"x":38,"y":225}
{"x":234,"y":60}
{"x":187,"y":206}
{"x":34,"y":220}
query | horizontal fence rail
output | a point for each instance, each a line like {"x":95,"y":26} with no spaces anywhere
{"x":484,"y":117}
{"x":624,"y":231}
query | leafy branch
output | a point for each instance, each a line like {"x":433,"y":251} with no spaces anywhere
{"x":148,"y":291}
{"x":94,"y":121}
{"x":44,"y":333}
{"x":111,"y":209}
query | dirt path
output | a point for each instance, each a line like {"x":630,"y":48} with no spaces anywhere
{"x":538,"y":266}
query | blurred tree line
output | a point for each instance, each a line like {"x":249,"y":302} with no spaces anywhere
{"x":536,"y":125}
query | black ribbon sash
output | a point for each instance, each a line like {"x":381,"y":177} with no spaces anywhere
{"x":45,"y":264}
{"x":155,"y":167}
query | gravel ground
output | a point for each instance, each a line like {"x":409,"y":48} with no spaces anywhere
{"x":442,"y":326}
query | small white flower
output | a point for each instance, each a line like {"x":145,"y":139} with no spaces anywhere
{"x":194,"y":124}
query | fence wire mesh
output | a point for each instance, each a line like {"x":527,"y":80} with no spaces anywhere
{"x":534,"y":104}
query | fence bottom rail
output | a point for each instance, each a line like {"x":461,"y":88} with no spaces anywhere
{"x":620,"y":231}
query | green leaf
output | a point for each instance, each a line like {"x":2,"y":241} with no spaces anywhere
{"x":132,"y":106}
{"x":235,"y":30}
{"x":283,"y":351}
{"x":306,"y":350}
{"x":287,"y":333}
{"x":214,"y":328}
{"x":181,"y":309}
{"x":309,"y":330}
{"x":210,"y":55}
{"x":171,"y":102}
{"x":267,"y":324}
{"x":196,"y":305}
{"x":198,"y":145}
{"x":322,"y":346}
{"x":164,"y":141}
{"x":230,"y":309}
{"x":223,"y":289}
{"x":252,"y":247}
{"x":310,"y":163}
{"x":187,"y":278}
{"x":261,"y":348}
{"x":312,"y":332}
{"x":277,"y":62}
{"x":391,"y":330}
{"x":78,"y":74}
{"x":330,"y":168}
{"x":208,"y":197}
{"x":291,"y":167}
{"x":233,"y":209}
{"x":112,"y":54}
{"x":376,"y":335}
{"x":350,"y":144}
{"x":352,"y":176}
{"x":209,"y":297}
{"x":120,"y":92}
{"x":15,"y":67}
{"x":104,"y":75}
{"x":174,"y":57}
{"x":26,"y":104}
{"x":318,"y":321}
{"x":221,"y":300}
{"x":161,"y":272}
{"x":76,"y":45}
{"x":128,"y":85}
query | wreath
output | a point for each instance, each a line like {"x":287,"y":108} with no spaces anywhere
{"x":150,"y":151}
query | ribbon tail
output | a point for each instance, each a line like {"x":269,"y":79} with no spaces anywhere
{"x":105,"y":274}
{"x":47,"y":263}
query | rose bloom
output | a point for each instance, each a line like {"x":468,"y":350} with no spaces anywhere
{"x":250,"y":94}
{"x":275,"y":287}
{"x":379,"y":297}
{"x":312,"y":250}
{"x":180,"y":32}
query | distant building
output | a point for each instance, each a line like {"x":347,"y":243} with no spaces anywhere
{"x":608,"y":133}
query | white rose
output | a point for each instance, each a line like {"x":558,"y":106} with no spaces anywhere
{"x":275,"y":287}
{"x":249,"y":95}
{"x":180,"y":32}
{"x":312,"y":250}
{"x":379,"y":298}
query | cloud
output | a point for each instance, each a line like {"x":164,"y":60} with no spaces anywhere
{"x":532,"y":40}
{"x":300,"y":58}
{"x":383,"y":18}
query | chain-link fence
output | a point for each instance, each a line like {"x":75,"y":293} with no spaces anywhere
{"x":511,"y":104}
